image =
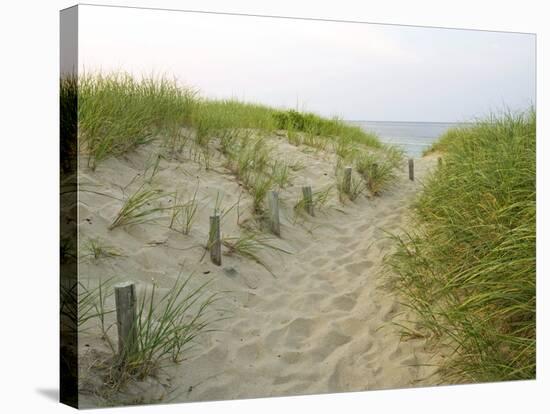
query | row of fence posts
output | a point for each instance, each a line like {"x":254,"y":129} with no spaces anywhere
{"x":125,"y":293}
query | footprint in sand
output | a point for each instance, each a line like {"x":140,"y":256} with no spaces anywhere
{"x":338,"y":252}
{"x":396,"y":353}
{"x":388,"y":314}
{"x":344,"y":260}
{"x":291,"y":357}
{"x":308,"y":303}
{"x":285,"y":379}
{"x":344,"y":240}
{"x":362,"y":228}
{"x":294,"y":334}
{"x":249,"y":352}
{"x":383,"y":245}
{"x":328,"y":344}
{"x":345,"y":302}
{"x":359,"y":268}
{"x":320,"y":262}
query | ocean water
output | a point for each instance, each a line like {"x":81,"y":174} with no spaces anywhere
{"x":413,"y":137}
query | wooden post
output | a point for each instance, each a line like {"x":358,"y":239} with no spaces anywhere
{"x":308,"y":199}
{"x":126,"y":318}
{"x":347,"y":180}
{"x":214,"y":240}
{"x":411,"y":169}
{"x":273,"y":201}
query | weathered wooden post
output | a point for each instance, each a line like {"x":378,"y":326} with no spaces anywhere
{"x":411,"y":169}
{"x":126,"y":318}
{"x":347,"y":180}
{"x":214,"y":240}
{"x":273,"y":201}
{"x":308,"y":199}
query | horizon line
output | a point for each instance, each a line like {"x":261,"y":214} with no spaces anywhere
{"x":412,"y":122}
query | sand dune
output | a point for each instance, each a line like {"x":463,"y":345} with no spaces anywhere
{"x":321,"y":323}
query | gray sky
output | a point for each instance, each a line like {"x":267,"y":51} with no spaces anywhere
{"x":354,"y":71}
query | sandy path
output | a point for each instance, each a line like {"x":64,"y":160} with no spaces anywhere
{"x":321,"y":325}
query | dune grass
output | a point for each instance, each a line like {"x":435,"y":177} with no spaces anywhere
{"x":468,"y":267}
{"x":98,"y":249}
{"x":357,"y":186}
{"x":323,"y":128}
{"x":249,"y":245}
{"x":91,"y":303}
{"x":167,"y":326}
{"x":378,"y":170}
{"x":143,"y":206}
{"x":117,"y":113}
{"x":184,"y":213}
{"x":319,"y":199}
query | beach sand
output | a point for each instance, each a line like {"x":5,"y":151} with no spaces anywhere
{"x":320,"y":323}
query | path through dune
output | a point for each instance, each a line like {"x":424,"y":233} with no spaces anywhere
{"x":321,"y":324}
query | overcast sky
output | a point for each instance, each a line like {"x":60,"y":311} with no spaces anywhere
{"x":354,"y":71}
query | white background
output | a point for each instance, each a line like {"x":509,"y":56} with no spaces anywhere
{"x":29,"y":207}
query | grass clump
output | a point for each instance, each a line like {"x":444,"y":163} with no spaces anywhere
{"x":468,"y":268}
{"x":141,"y":207}
{"x":167,"y":325}
{"x":356,"y":187}
{"x":319,"y":199}
{"x":92,"y":305}
{"x":97,"y":249}
{"x":378,"y":169}
{"x":249,"y":245}
{"x":258,"y":187}
{"x":315,"y":127}
{"x":184,"y":214}
{"x":250,"y":160}
{"x":280,"y":173}
{"x":117,"y":113}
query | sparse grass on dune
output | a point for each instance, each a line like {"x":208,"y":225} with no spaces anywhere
{"x":468,"y":267}
{"x":167,"y":325}
{"x":357,"y":186}
{"x":319,"y":199}
{"x":91,"y":302}
{"x":97,"y":249}
{"x":184,"y":213}
{"x":117,"y":113}
{"x":143,"y":206}
{"x":250,"y":245}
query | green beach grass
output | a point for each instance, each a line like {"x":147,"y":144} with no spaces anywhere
{"x":468,"y":267}
{"x":117,"y":113}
